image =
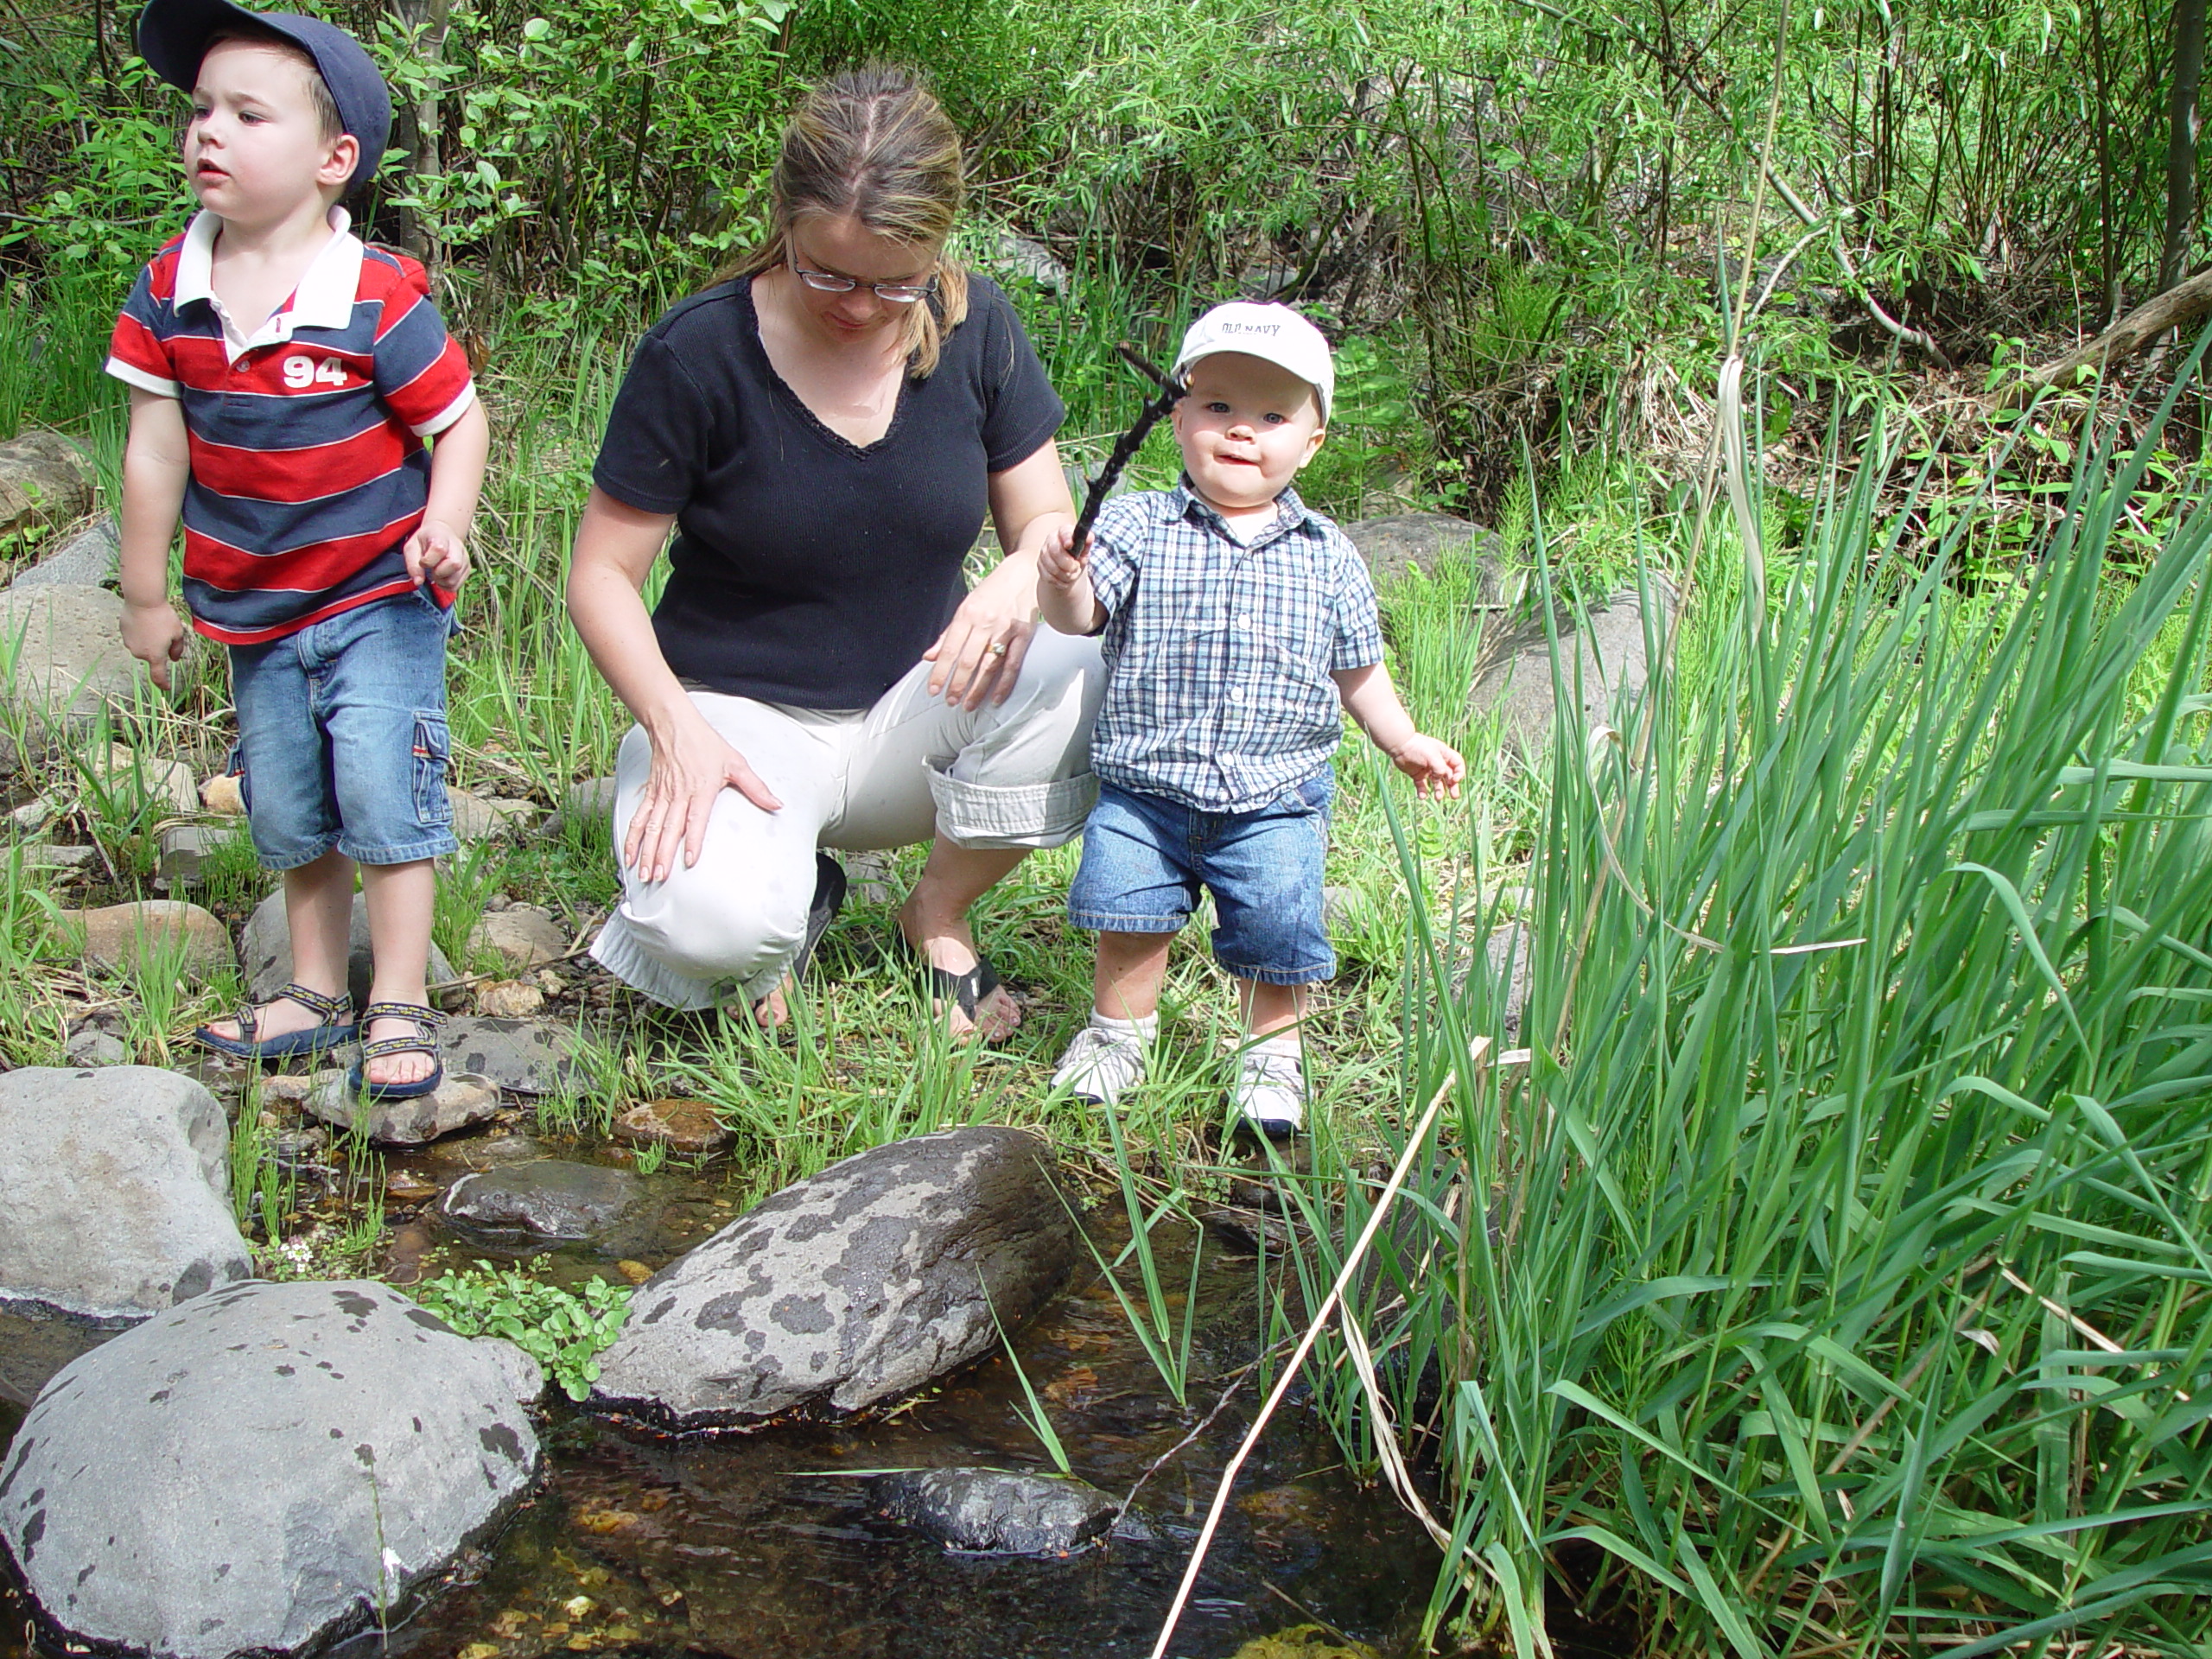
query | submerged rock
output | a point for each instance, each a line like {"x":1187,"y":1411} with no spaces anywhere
{"x":114,"y":1193}
{"x":546,"y":1199}
{"x":263,"y":1469}
{"x":856,"y":1284}
{"x":1305,"y":1641}
{"x":992,"y":1512}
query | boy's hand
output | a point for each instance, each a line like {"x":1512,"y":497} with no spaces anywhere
{"x":439,"y":551}
{"x":1436,"y":768}
{"x":1059,"y":561}
{"x":155,"y":635}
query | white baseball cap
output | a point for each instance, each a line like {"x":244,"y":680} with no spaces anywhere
{"x":1274,"y":333}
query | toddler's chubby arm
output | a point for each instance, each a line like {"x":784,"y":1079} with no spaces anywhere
{"x":1064,"y":586}
{"x":157,"y":464}
{"x":1435,"y":767}
{"x":439,"y":547}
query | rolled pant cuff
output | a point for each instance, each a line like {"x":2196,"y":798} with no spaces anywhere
{"x":617,"y":950}
{"x":1034,"y":816}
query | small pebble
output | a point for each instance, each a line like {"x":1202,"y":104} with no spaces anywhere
{"x":636,"y":1272}
{"x":509,"y":999}
{"x":220,"y":794}
{"x":283,"y":1091}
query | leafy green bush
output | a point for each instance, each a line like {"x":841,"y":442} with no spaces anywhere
{"x":561,"y":1330}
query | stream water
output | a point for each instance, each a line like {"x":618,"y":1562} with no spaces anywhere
{"x":767,"y":1543}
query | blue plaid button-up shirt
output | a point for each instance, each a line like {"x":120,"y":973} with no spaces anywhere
{"x":1218,"y":653}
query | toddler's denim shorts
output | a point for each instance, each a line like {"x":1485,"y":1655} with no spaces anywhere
{"x":342,"y":737}
{"x":1145,"y":859}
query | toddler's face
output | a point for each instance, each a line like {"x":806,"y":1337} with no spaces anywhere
{"x":253,"y":148}
{"x":1245,"y":427}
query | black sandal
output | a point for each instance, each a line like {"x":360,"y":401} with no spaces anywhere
{"x":428,"y":1021}
{"x":336,"y":1026}
{"x":967,"y":989}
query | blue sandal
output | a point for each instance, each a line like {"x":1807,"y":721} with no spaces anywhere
{"x":337,"y":1026}
{"x":428,"y":1022}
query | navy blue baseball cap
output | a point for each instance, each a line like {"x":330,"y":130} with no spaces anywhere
{"x":173,"y":36}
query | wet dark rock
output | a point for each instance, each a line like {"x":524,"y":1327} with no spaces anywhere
{"x":688,"y":1127}
{"x":854,"y":1286}
{"x":458,"y":1103}
{"x":1421,"y":541}
{"x":988,"y":1511}
{"x":266,"y":948}
{"x":1602,"y":670}
{"x":34,"y":1344}
{"x":263,"y":1469}
{"x":523,"y":1056}
{"x":114,"y":1191}
{"x":545,"y":1199}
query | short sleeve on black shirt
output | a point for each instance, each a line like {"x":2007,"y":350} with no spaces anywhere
{"x":808,"y":569}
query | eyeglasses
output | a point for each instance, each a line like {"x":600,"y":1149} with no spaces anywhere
{"x":825,"y":282}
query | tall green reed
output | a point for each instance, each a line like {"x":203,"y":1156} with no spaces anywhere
{"x":1832,"y":1277}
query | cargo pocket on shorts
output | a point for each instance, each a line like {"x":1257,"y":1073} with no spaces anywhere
{"x":433,"y":747}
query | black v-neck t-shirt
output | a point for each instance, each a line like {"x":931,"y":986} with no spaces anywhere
{"x":806,"y":568}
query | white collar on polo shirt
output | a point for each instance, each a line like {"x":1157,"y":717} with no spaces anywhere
{"x":324,"y":298}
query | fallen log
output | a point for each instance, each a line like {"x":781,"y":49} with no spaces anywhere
{"x":2178,"y":306}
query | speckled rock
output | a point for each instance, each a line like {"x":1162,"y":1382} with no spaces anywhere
{"x":854,"y":1286}
{"x":45,"y":479}
{"x":1421,"y":541}
{"x":114,"y":1191}
{"x":262,"y":1470}
{"x":523,"y":1056}
{"x":991,"y":1512}
{"x":88,"y":559}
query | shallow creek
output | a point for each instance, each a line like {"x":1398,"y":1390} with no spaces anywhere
{"x":765,"y":1544}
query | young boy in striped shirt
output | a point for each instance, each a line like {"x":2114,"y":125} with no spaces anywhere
{"x":1239,"y":625}
{"x":283,"y":380}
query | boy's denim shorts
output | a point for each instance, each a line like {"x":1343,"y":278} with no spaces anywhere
{"x":342,"y":737}
{"x":1145,"y":858}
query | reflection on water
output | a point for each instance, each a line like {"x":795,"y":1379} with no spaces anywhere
{"x":762,"y":1544}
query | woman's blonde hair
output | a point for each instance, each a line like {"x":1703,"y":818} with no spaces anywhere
{"x":873,"y":143}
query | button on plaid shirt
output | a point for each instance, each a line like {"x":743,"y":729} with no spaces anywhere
{"x":1219,"y":654}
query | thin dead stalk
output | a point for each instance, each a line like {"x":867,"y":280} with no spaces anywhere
{"x":1476,"y":1053}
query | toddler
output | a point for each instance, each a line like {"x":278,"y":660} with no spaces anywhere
{"x":1237,"y":623}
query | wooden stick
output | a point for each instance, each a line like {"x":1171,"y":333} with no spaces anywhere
{"x":1476,"y":1050}
{"x":1130,"y":443}
{"x":2177,"y":308}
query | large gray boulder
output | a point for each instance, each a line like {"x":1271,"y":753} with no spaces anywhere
{"x":61,"y":649}
{"x":1602,"y":668}
{"x":266,"y":946}
{"x":856,"y":1284}
{"x":1400,"y":542}
{"x":114,"y":1193}
{"x":88,"y":559}
{"x":262,"y":1470}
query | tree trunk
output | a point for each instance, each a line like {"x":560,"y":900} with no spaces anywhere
{"x":2181,"y":139}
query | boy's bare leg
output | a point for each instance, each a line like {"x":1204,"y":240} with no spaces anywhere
{"x":934,"y":918}
{"x":319,"y":912}
{"x":1125,"y":984}
{"x":1269,"y":1008}
{"x":401,"y":898}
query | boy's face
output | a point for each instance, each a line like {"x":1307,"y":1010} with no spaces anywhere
{"x":254,"y":149}
{"x":1245,"y":427}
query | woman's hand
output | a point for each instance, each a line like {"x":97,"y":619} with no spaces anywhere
{"x":978,"y":656}
{"x":691,"y":765}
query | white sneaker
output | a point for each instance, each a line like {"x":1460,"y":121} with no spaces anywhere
{"x":1270,"y":1093}
{"x":1100,"y":1064}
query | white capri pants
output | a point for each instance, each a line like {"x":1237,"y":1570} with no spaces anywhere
{"x":1015,"y":774}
